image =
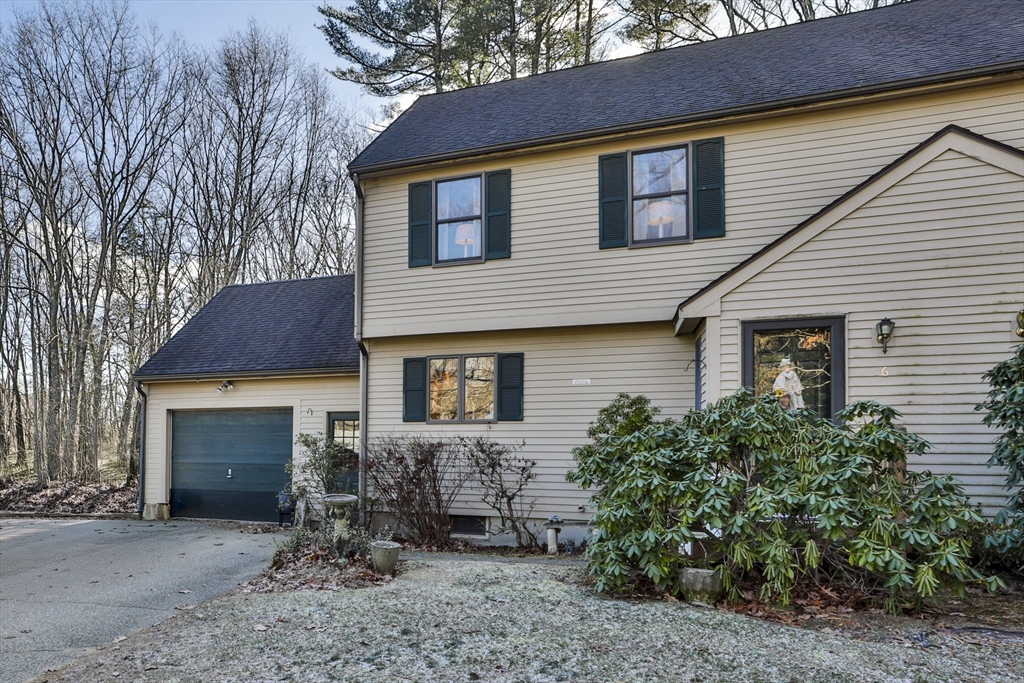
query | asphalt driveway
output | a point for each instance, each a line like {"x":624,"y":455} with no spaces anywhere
{"x":68,"y":586}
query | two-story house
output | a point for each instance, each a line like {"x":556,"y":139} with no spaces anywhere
{"x":842,"y":199}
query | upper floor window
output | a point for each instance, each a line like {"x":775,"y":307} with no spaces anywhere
{"x":667,"y":195}
{"x":460,"y":220}
{"x":659,"y":195}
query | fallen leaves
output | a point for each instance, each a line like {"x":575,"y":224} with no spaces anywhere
{"x":313,"y":568}
{"x":69,"y":497}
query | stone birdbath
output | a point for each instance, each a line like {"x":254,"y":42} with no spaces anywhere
{"x":338,"y":506}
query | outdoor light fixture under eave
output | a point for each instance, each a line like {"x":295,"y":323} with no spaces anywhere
{"x":1020,"y":323}
{"x":883,"y":333}
{"x":225,"y":386}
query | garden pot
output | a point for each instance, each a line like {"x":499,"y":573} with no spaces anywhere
{"x":384,"y":555}
{"x":703,"y":586}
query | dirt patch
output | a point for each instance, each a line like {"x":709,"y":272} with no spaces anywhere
{"x":457,"y":620}
{"x":69,"y":497}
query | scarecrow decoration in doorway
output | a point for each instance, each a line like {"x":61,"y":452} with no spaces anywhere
{"x":788,"y":387}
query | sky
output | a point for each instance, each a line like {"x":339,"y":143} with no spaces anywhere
{"x":203,"y":22}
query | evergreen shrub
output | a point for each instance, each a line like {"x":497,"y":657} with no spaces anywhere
{"x":772,"y":497}
{"x":1005,"y":411}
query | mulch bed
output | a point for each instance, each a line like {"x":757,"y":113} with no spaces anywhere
{"x":68,"y":497}
{"x":310,"y":567}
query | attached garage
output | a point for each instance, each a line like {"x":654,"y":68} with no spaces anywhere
{"x":227,"y":396}
{"x":229,"y":463}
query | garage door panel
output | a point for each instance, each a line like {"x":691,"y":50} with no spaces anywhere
{"x":254,"y":444}
{"x":245,"y":476}
{"x":224,"y":504}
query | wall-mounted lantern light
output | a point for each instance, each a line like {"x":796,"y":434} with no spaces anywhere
{"x":883,"y":333}
{"x":225,"y":386}
{"x":1020,"y":323}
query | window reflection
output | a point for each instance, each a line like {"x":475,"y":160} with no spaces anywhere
{"x":444,"y":388}
{"x":479,"y":388}
{"x":659,"y":195}
{"x":795,"y":365}
{"x":459,"y":220}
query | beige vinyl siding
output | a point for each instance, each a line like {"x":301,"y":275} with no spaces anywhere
{"x":643,"y":358}
{"x":310,"y":399}
{"x":942,"y":254}
{"x":778,"y":172}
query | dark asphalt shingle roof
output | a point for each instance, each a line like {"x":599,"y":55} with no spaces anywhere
{"x":270,"y":327}
{"x":921,"y":41}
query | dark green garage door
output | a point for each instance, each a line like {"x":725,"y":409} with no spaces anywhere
{"x":229,"y":464}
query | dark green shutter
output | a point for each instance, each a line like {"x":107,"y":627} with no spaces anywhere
{"x":421,"y":214}
{"x":709,"y":188}
{"x":414,"y":390}
{"x":510,"y":386}
{"x":612,"y":179}
{"x":498,"y":225}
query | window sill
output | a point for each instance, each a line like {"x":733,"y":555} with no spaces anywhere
{"x":460,"y":262}
{"x":660,"y":243}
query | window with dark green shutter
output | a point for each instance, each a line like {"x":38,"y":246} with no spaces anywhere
{"x":709,"y":188}
{"x":421,"y":214}
{"x":612,"y":182}
{"x":652,"y":196}
{"x":463,"y":388}
{"x":461,"y":220}
{"x":414,"y":390}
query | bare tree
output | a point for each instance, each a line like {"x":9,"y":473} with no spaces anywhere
{"x":137,"y":178}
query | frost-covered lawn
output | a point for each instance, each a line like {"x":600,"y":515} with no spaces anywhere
{"x":468,"y":620}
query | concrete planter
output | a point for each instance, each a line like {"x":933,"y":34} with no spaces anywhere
{"x":702,"y":586}
{"x":384,"y":555}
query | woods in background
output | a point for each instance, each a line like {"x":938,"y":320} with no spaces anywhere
{"x":138,"y":176}
{"x":438,"y":45}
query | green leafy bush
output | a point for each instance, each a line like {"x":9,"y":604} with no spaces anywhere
{"x":771,"y":496}
{"x":1005,"y":406}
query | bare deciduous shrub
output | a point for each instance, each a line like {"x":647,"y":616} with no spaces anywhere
{"x":417,"y":478}
{"x":504,"y":476}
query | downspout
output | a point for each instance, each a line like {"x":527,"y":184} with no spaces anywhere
{"x":142,"y":448}
{"x":364,"y":354}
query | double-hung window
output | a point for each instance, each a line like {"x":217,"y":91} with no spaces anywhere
{"x":662,"y":196}
{"x":478,"y":387}
{"x":659,"y":196}
{"x":460,"y":220}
